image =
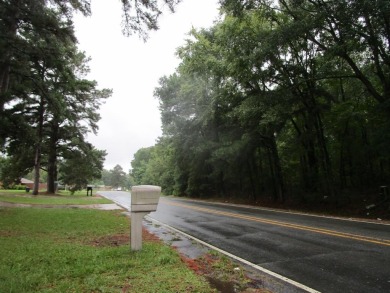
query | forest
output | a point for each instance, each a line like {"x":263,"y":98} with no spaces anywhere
{"x":286,"y":100}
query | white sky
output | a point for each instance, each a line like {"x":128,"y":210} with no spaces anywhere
{"x":130,"y":117}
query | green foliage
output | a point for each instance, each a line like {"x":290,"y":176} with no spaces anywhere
{"x":141,"y":17}
{"x":139,"y":165}
{"x":46,"y":105}
{"x":154,"y":166}
{"x":18,"y":187}
{"x":116,"y":177}
{"x":8,"y":173}
{"x":81,"y":166}
{"x":278,"y":99}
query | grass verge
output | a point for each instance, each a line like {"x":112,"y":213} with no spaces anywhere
{"x":76,"y":193}
{"x":54,"y":250}
{"x":25,"y":198}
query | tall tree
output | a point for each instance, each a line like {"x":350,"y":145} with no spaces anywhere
{"x":51,"y":93}
{"x":154,"y":165}
{"x":139,"y":165}
{"x":80,"y":101}
{"x":81,"y":166}
{"x":118,"y":177}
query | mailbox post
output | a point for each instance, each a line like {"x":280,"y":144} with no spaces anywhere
{"x":144,"y":199}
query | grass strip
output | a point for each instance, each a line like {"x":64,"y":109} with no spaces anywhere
{"x":55,"y":250}
{"x":51,"y":199}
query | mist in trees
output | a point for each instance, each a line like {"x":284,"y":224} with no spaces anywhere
{"x":286,"y":100}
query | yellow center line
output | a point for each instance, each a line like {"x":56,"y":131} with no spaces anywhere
{"x":286,"y":224}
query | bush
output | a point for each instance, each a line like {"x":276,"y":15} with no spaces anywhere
{"x":18,"y":187}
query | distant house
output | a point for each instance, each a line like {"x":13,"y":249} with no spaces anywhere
{"x":30,"y":184}
{"x":27,"y":183}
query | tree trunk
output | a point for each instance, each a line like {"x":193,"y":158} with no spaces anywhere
{"x":52,"y":159}
{"x":276,"y":170}
{"x":10,"y":29}
{"x":251,"y":180}
{"x":4,"y":82}
{"x":38,"y":148}
{"x":52,"y":174}
{"x":369,"y":173}
{"x":259,"y":171}
{"x":37,"y":167}
{"x":325,"y":158}
{"x":346,"y":165}
{"x":312,"y":176}
{"x":308,"y":158}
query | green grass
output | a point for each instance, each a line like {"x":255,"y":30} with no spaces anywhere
{"x":12,"y":191}
{"x":76,"y":193}
{"x":54,"y":250}
{"x":26,"y":198}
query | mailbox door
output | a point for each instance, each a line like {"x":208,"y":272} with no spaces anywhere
{"x":145,"y":197}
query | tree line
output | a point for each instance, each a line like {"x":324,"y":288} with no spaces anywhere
{"x":47,"y":104}
{"x":116,"y":178}
{"x":284,"y":99}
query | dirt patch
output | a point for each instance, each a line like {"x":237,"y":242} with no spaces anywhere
{"x":14,"y":205}
{"x":111,"y":240}
{"x":122,"y":239}
{"x":8,"y":233}
{"x":223,"y":274}
{"x":149,"y":237}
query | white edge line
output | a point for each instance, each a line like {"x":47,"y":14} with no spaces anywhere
{"x":257,"y":267}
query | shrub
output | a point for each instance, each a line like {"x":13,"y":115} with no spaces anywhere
{"x":18,"y":187}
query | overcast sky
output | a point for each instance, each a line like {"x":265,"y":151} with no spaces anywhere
{"x":130,"y":117}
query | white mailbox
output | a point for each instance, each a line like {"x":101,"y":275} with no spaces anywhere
{"x":144,"y":198}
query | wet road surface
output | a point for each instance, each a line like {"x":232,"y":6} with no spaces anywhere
{"x":326,"y":254}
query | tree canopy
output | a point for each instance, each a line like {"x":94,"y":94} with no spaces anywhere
{"x":280,"y":99}
{"x":47,"y":105}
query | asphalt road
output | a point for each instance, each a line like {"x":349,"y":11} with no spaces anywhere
{"x":328,"y":255}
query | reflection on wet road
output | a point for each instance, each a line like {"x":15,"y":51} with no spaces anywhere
{"x":329,"y":255}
